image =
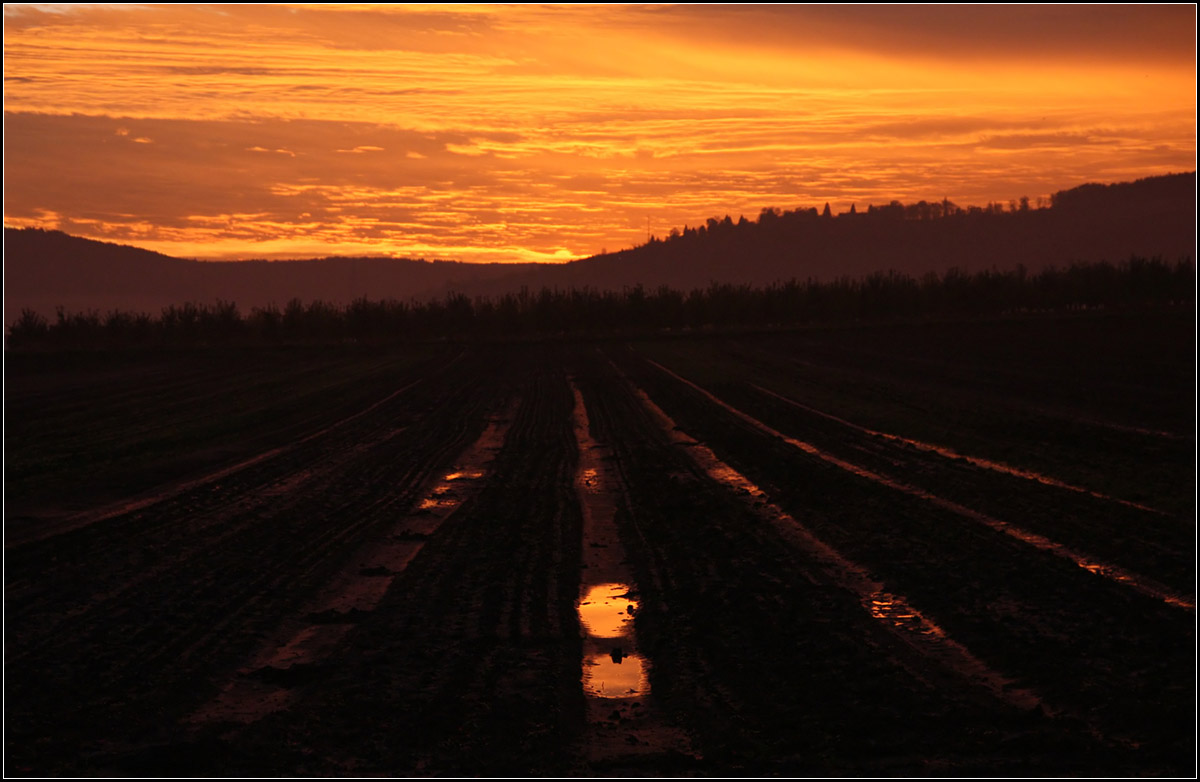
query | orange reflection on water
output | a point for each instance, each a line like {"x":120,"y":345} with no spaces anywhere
{"x":461,"y":474}
{"x":611,"y":667}
{"x":605,"y":677}
{"x":443,"y":496}
{"x":439,"y":500}
{"x":606,"y":609}
{"x":896,"y":610}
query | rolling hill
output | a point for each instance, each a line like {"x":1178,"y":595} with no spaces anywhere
{"x":1151,"y":217}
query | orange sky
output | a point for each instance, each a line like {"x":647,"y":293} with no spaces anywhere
{"x":548,"y":133}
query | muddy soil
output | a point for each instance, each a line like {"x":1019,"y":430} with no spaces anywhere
{"x":115,"y":628}
{"x":1100,"y":652}
{"x":773,"y":663}
{"x":390,"y":579}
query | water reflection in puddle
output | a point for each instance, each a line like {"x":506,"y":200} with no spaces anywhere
{"x":604,"y":677}
{"x":443,"y":497}
{"x":459,"y":475}
{"x":439,"y":500}
{"x":606,"y":610}
{"x":896,"y":611}
{"x":611,"y":667}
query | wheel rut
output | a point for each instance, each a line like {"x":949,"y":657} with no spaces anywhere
{"x":626,"y":727}
{"x":1078,"y":640}
{"x":184,"y":604}
{"x":1142,"y":584}
{"x":469,"y":663}
{"x":308,"y":640}
{"x":758,"y":649}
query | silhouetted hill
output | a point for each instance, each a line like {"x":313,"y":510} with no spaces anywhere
{"x":44,"y":270}
{"x":1148,"y":218}
{"x":47,"y":269}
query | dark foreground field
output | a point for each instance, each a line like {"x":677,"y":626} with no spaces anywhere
{"x":951,"y":549}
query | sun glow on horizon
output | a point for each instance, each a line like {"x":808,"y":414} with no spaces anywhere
{"x":522,"y":133}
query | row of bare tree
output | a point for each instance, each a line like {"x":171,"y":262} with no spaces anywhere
{"x":1135,"y":283}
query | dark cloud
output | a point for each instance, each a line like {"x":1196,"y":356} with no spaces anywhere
{"x":1033,"y":33}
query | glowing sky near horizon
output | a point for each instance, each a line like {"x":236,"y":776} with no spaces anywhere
{"x":534,"y":133}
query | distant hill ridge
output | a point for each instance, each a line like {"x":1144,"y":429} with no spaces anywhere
{"x":1151,"y":217}
{"x":48,"y":269}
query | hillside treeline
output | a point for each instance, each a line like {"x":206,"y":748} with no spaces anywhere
{"x":1136,"y":283}
{"x":1154,"y":217}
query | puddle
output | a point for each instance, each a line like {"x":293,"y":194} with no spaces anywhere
{"x":950,"y":453}
{"x":1137,"y":582}
{"x":440,"y":501}
{"x":611,"y":666}
{"x":604,"y":677}
{"x":606,"y":611}
{"x":445,"y":496}
{"x":894,"y":611}
{"x":459,"y":475}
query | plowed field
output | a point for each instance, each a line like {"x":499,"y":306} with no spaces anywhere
{"x":927,"y":550}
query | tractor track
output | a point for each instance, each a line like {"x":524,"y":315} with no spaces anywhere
{"x":214,"y":511}
{"x":715,"y":575}
{"x":895,"y":463}
{"x":470,"y":662}
{"x":115,"y":633}
{"x":391,"y":585}
{"x":1078,"y":639}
